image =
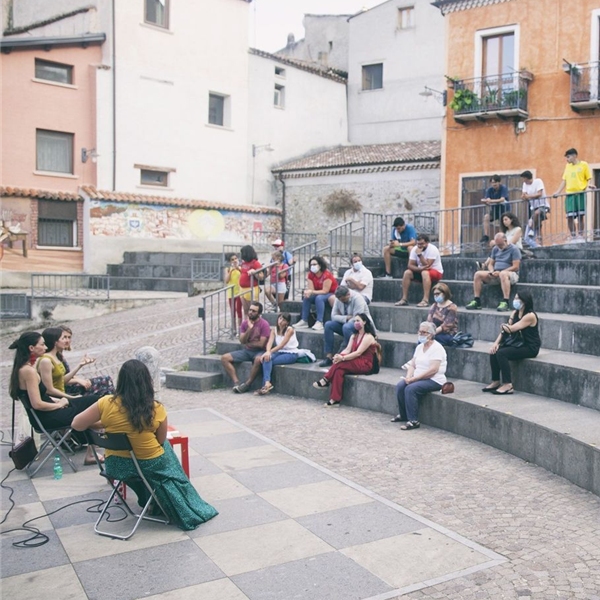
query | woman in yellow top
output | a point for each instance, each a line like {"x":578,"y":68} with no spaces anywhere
{"x":232,"y":277}
{"x":133,"y":410}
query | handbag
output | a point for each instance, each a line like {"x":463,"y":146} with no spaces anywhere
{"x":512,"y":340}
{"x":448,"y":388}
{"x":462,"y":340}
{"x":23,"y":452}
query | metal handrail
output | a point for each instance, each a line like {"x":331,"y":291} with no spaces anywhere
{"x":70,"y":285}
{"x":585,"y":82}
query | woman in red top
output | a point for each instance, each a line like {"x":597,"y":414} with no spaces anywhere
{"x":250,"y":265}
{"x":320,"y":284}
{"x":356,"y":359}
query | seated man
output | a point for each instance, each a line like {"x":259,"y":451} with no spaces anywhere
{"x":539,"y":207}
{"x":254,"y":334}
{"x":503,"y":270}
{"x":359,"y":279}
{"x":424,"y":265}
{"x":497,"y":199}
{"x":402,"y":240}
{"x":347,"y":305}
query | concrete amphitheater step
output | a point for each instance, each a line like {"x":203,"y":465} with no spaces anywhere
{"x":194,"y":381}
{"x":562,"y":438}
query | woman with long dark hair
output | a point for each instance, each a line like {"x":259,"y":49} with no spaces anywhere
{"x":249,"y":267}
{"x":320,"y":285}
{"x":26,"y":384}
{"x":133,"y":410}
{"x":523,"y":323}
{"x":356,"y":359}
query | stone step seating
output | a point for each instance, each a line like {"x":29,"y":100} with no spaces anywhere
{"x":155,"y":271}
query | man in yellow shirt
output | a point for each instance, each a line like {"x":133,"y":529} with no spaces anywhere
{"x":577,"y":179}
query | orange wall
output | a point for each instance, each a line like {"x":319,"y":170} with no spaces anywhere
{"x":28,"y":105}
{"x":550,"y":30}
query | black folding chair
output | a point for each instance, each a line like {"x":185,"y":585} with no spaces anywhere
{"x":120,"y":442}
{"x":53,"y":440}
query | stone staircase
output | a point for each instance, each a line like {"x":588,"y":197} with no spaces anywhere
{"x":552,"y":420}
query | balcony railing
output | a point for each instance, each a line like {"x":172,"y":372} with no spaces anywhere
{"x":585,"y":86}
{"x":498,"y":96}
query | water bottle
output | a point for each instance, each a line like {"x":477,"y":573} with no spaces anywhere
{"x":58,"y":472}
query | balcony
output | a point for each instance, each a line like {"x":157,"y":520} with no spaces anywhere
{"x":493,"y":97}
{"x":585,"y":86}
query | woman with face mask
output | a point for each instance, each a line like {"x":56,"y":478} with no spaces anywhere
{"x":425,"y":373}
{"x":356,"y":359}
{"x":523,"y":322}
{"x":320,"y":284}
{"x":444,"y":315}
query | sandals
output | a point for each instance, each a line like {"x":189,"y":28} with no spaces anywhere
{"x":265,"y":389}
{"x":490,"y":390}
{"x":504,"y":393}
{"x":423,"y":304}
{"x":330,"y":403}
{"x":401,"y":302}
{"x":411,"y":425}
{"x":322,"y":383}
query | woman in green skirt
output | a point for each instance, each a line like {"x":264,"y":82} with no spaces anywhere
{"x":133,"y":410}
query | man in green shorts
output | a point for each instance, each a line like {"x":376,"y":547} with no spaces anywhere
{"x":577,"y":179}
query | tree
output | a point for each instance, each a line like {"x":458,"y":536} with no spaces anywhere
{"x":342,"y":202}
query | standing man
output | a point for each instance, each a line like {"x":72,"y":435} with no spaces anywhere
{"x":577,"y":179}
{"x":402,"y":240}
{"x":347,"y":305}
{"x":496,"y":198}
{"x":533,"y":192}
{"x":503,"y":270}
{"x":424,"y":265}
{"x":359,"y":279}
{"x":254,"y":334}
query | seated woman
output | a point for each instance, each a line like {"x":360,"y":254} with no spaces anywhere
{"x":444,"y":315}
{"x":101,"y":384}
{"x":426,"y":373}
{"x":320,"y":284}
{"x":133,"y":410}
{"x":356,"y":359}
{"x":523,"y":320}
{"x":282,"y":349}
{"x":25,"y":383}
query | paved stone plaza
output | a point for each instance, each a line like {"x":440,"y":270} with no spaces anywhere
{"x":314,"y":503}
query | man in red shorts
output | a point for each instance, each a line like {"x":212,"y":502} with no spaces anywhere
{"x":424,"y":265}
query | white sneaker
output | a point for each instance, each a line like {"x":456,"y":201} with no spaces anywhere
{"x":318,"y":326}
{"x":301,"y":325}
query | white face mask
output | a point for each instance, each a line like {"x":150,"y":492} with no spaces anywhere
{"x":314,"y":268}
{"x":422,"y":339}
{"x":357,"y":266}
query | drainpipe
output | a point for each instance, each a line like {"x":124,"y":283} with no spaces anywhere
{"x":282,"y":180}
{"x":114,"y":99}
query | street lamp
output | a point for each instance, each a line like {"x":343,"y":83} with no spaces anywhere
{"x":439,"y":96}
{"x":257,"y":149}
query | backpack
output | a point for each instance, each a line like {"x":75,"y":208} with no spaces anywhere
{"x":462,"y":340}
{"x":377,"y":356}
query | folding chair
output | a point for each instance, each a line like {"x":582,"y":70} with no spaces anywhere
{"x":53,"y":440}
{"x":120,"y":441}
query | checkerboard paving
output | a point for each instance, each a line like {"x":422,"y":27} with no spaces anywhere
{"x":287,"y":528}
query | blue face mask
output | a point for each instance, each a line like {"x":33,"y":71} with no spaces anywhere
{"x":439,"y":299}
{"x":422,"y":339}
{"x":517,"y":304}
{"x":357,"y":266}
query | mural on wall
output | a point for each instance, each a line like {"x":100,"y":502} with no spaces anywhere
{"x":144,"y":221}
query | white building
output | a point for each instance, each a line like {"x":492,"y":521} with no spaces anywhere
{"x":395,"y":50}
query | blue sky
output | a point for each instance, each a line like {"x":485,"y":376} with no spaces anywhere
{"x":272,"y":20}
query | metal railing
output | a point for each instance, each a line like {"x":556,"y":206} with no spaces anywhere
{"x":506,"y":92}
{"x":14,"y":306}
{"x":302,"y":255}
{"x":69,"y":285}
{"x":218,"y":316}
{"x":263,"y":240}
{"x":458,"y":230}
{"x":207,"y":269}
{"x":585,"y":83}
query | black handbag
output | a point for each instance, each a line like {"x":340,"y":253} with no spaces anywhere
{"x":23,"y":452}
{"x":512,"y":340}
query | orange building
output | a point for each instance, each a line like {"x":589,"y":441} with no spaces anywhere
{"x":524,"y":79}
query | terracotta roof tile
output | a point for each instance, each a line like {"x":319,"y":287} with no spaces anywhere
{"x":347,"y":156}
{"x":39,"y":194}
{"x":449,"y":6}
{"x":109,"y":196}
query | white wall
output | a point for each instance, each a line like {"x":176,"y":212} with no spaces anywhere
{"x":412,"y":58}
{"x":314,"y":117}
{"x":163,"y":79}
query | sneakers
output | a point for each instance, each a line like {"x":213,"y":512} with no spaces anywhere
{"x":473,"y":305}
{"x":326,"y":362}
{"x":386,"y":276}
{"x":241,"y":388}
{"x":301,"y":325}
{"x":503,"y":307}
{"x":318,"y":326}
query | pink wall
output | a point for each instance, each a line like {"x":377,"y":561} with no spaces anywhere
{"x":28,"y":105}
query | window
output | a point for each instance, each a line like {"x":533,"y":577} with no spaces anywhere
{"x":57,"y":223}
{"x":279,"y":72}
{"x":51,"y":71}
{"x":152,"y":177}
{"x":499,"y":54}
{"x":279,"y":98}
{"x":54,"y":151}
{"x":217,"y":109}
{"x":372,"y":77}
{"x":157,"y":13}
{"x":406,"y":17}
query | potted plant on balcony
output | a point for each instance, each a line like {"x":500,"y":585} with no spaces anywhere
{"x":464,"y":100}
{"x":515,"y":99}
